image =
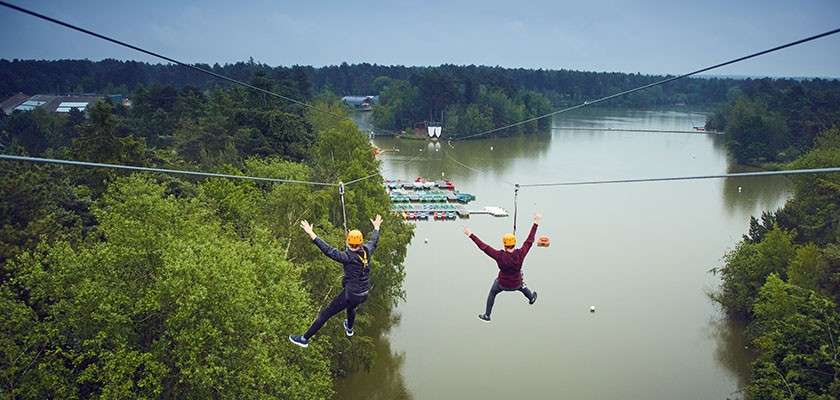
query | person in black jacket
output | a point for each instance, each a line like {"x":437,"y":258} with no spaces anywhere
{"x":356,"y":283}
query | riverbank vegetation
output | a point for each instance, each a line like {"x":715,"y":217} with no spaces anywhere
{"x":463,"y":110}
{"x":776,"y":120}
{"x":119,"y":285}
{"x":783,"y":281}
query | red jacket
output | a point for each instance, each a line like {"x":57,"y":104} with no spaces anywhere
{"x":510,"y":263}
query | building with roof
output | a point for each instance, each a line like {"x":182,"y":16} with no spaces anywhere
{"x":8,"y":105}
{"x":55,"y":103}
{"x":361,"y":103}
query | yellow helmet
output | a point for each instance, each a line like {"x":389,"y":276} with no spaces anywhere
{"x":354,"y":237}
{"x":509,"y":240}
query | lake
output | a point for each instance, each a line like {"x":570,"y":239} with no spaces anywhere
{"x":640,"y":253}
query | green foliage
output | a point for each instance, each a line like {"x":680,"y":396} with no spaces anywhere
{"x":807,"y":267}
{"x":399,"y":106}
{"x":784,"y":278}
{"x":169,"y":303}
{"x":466,"y":108}
{"x":753,"y":133}
{"x":748,"y":266}
{"x":117,"y":286}
{"x":795,"y":332}
{"x":777,"y":120}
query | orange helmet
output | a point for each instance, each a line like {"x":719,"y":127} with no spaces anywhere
{"x":354,"y":237}
{"x":509,"y":240}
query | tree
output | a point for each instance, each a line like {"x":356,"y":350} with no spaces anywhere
{"x":748,"y":266}
{"x":170,"y":303}
{"x":796,"y":334}
{"x":753,"y":133}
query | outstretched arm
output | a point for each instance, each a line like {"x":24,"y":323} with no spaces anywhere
{"x":374,"y":236}
{"x":530,"y":240}
{"x":493,"y":253}
{"x":325,"y":248}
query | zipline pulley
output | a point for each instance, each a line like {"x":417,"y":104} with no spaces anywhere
{"x":515,"y":206}
{"x":343,"y":208}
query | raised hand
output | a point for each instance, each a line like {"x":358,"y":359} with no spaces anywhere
{"x":307,"y":227}
{"x":537,"y":218}
{"x":376,"y":221}
{"x":467,"y":231}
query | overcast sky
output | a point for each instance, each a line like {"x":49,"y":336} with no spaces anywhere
{"x":617,"y":35}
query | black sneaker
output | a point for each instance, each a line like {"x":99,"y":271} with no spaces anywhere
{"x":299,"y":340}
{"x":533,"y":298}
{"x":484,"y":317}
{"x":347,"y":330}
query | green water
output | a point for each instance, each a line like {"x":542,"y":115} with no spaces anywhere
{"x":640,"y":253}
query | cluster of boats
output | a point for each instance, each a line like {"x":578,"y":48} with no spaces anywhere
{"x":419,"y":184}
{"x":437,"y":198}
{"x":425,"y":212}
{"x":433,"y":196}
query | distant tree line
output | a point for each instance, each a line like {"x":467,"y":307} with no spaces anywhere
{"x":120,"y":285}
{"x":776,"y":120}
{"x":467,"y":99}
{"x":559,"y":86}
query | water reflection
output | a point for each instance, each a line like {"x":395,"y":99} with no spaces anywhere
{"x":427,"y":158}
{"x":749,"y":195}
{"x":384,"y":380}
{"x":731,"y":350}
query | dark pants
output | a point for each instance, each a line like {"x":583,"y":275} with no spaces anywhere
{"x":344,"y":301}
{"x":496,"y":289}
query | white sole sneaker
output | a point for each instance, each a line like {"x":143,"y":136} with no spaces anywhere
{"x":304,"y":345}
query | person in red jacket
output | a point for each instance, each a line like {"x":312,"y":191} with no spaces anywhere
{"x":509,"y":261}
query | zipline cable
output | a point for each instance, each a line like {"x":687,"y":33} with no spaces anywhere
{"x":169,"y":59}
{"x":159,"y":170}
{"x":657,"y":83}
{"x":686,"y":178}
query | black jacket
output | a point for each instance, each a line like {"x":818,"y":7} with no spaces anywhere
{"x":356,"y":273}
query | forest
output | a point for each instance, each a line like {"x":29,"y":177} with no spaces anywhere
{"x":465,"y":99}
{"x":138,"y":285}
{"x":770,"y":121}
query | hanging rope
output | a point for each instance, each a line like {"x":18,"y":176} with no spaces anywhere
{"x":343,"y":209}
{"x":515,"y":206}
{"x":165,"y":58}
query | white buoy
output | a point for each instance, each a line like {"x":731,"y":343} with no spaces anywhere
{"x":591,"y":309}
{"x":491,"y":148}
{"x":427,"y":240}
{"x":442,"y":174}
{"x":739,"y":189}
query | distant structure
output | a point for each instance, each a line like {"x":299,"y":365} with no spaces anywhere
{"x":434,"y":131}
{"x":56,"y":103}
{"x":360,"y":103}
